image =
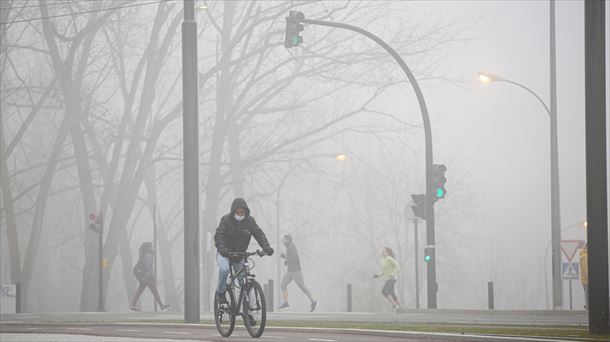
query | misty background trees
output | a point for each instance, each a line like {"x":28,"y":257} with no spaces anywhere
{"x":91,"y":122}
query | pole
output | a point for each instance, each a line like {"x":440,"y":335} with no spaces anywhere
{"x":349,"y":297}
{"x":431,"y":266}
{"x":596,"y":161}
{"x":555,"y":208}
{"x":490,"y":295}
{"x":271,"y":305}
{"x":277,"y":244}
{"x":100,"y":266}
{"x":191,"y":164}
{"x":571,"y":308}
{"x":155,"y":246}
{"x":416,"y":265}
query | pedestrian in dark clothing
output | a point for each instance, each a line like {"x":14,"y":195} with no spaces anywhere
{"x":233,"y":235}
{"x":293,"y":272}
{"x":145,"y":273}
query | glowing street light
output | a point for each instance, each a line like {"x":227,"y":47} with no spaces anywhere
{"x":341,"y":157}
{"x":486,"y":77}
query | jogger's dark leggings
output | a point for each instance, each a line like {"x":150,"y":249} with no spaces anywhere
{"x":388,"y":289}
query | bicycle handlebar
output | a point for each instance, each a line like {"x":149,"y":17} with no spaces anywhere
{"x":247,"y":254}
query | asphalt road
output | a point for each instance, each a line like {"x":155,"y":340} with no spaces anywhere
{"x":497,"y":317}
{"x":13,"y":332}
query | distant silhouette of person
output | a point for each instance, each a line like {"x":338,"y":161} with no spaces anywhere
{"x":145,"y":273}
{"x":584,"y":272}
{"x":389,"y":270}
{"x":293,"y":272}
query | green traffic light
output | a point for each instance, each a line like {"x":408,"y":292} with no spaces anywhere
{"x":296,"y":40}
{"x":427,"y":258}
{"x":440,"y":193}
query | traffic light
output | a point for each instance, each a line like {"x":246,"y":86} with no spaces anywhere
{"x":293,"y":29}
{"x":419,"y":206}
{"x":438,"y":181}
{"x":428,"y":254}
{"x":95,"y":222}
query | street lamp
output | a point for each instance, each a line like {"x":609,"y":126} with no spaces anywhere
{"x":340,"y":157}
{"x":486,"y":78}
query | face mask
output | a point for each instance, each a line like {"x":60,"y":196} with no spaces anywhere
{"x":239,"y":218}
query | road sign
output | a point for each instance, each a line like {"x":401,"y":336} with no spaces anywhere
{"x":569,"y":248}
{"x":569,"y":270}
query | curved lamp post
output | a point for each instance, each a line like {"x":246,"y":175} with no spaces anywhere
{"x":486,"y":78}
{"x":432,"y":284}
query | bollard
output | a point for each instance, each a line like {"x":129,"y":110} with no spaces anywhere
{"x":349,"y":297}
{"x":269,"y":298}
{"x":266,"y":290}
{"x":18,"y":302}
{"x":490,"y":295}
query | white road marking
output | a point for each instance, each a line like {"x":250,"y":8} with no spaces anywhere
{"x":275,"y":336}
{"x":322,"y":340}
{"x":84,"y":329}
{"x":176,"y":332}
{"x":128,"y":330}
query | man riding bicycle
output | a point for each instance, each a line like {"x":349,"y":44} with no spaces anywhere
{"x":233,"y":235}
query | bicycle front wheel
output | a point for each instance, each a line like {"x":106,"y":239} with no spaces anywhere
{"x":255,"y":309}
{"x":224,"y":315}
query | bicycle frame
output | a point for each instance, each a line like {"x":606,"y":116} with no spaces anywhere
{"x":247,"y":277}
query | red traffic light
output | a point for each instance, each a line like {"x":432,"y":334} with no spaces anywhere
{"x":92,"y":217}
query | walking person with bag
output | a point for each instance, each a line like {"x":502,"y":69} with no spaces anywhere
{"x":145,"y":273}
{"x":389,"y":271}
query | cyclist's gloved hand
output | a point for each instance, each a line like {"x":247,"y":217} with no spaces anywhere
{"x":283,"y":256}
{"x":224,"y":251}
{"x":375,"y":276}
{"x":268,"y":250}
{"x":234,"y":257}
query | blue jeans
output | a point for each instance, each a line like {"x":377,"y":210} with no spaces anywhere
{"x":223,"y":271}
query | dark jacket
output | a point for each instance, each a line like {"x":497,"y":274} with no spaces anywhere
{"x":234,"y":236}
{"x":293,"y":263}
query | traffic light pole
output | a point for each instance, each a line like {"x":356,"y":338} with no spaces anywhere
{"x":431,"y":266}
{"x":416,"y":236}
{"x":100,"y":264}
{"x":191,"y":164}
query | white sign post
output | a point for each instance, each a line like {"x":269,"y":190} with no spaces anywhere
{"x":569,"y":269}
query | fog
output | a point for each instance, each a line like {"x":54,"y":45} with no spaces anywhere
{"x":91,"y":107}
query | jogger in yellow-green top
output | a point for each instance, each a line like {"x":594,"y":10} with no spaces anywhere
{"x":389,"y":271}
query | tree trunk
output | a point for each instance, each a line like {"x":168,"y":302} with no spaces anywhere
{"x":9,"y":213}
{"x":165,"y":251}
{"x":214,"y":181}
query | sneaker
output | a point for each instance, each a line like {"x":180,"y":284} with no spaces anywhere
{"x":165,"y":307}
{"x":222,"y":299}
{"x":284,"y":306}
{"x":313,"y":306}
{"x":251,"y":320}
{"x":133,"y":308}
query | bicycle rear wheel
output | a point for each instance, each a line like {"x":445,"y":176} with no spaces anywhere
{"x":254,"y":309}
{"x":225,"y":315}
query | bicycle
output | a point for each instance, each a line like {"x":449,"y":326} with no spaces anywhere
{"x":251,"y":304}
